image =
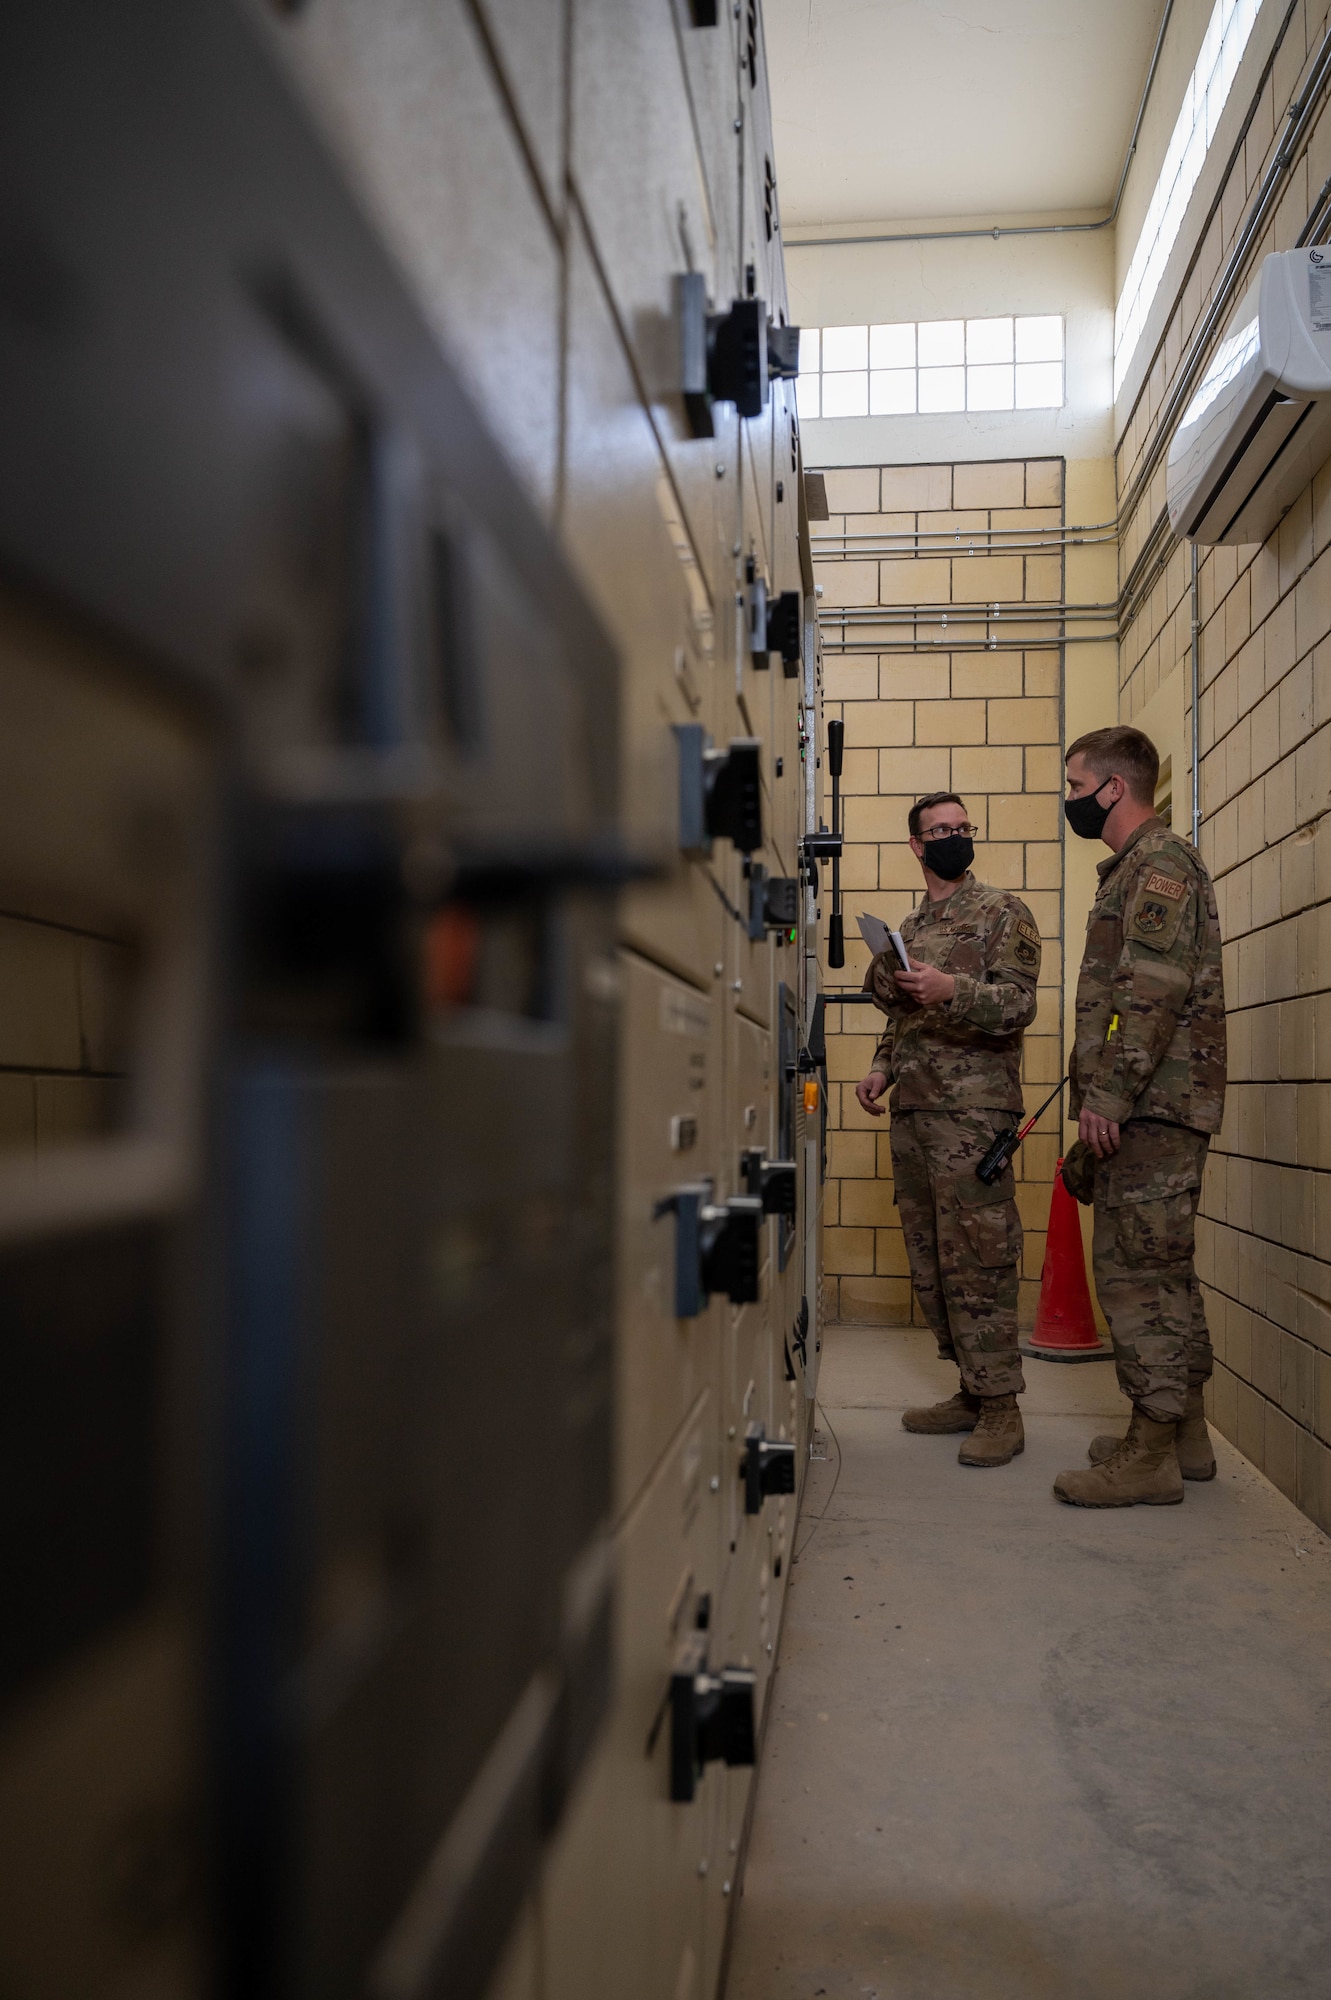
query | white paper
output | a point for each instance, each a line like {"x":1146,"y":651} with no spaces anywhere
{"x":874,"y":932}
{"x":878,"y":937}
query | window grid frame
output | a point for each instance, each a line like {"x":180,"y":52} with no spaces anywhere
{"x":866,"y":389}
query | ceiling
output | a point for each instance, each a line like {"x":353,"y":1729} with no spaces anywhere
{"x":895,"y":109}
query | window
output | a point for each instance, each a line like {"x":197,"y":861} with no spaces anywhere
{"x":1223,"y":44}
{"x":932,"y":365}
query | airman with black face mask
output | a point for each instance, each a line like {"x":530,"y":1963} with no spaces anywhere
{"x":952,"y":1054}
{"x":1147,"y":1090}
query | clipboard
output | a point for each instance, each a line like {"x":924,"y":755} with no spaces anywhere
{"x":878,"y":938}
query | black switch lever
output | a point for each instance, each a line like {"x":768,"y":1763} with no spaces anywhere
{"x":737,"y":357}
{"x":756,"y":612}
{"x":712,"y":1717}
{"x":723,"y":356}
{"x":731,"y":1239}
{"x":774,"y":902}
{"x":781,"y":902}
{"x":775,"y":1182}
{"x":836,"y":942}
{"x":720,"y":791}
{"x":729,"y":357}
{"x":717,"y":1246}
{"x":768,"y":1466}
{"x":816,"y":847}
{"x":785,"y":622}
{"x":783,"y":352}
{"x":733,"y":785}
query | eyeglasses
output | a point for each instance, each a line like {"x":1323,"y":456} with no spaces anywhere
{"x":942,"y":832}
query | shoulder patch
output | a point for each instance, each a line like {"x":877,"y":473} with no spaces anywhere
{"x":1021,"y":940}
{"x":1158,"y":912}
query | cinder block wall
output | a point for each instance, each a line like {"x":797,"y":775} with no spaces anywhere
{"x":60,"y":1058}
{"x":1265,"y":736}
{"x":921,"y":716}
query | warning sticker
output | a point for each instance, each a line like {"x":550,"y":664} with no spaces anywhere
{"x":1319,"y":296}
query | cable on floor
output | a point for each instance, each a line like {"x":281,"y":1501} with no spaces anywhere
{"x":817,"y":1518}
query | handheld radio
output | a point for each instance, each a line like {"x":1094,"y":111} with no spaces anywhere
{"x":1006,"y":1144}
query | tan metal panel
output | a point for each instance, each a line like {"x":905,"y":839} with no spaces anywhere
{"x":669,"y":1083}
{"x":758,"y":487}
{"x":784,"y":537}
{"x":410,"y":100}
{"x":529,"y":47}
{"x":624,"y":1892}
{"x":754,"y":1104}
{"x":757,"y":1566}
{"x":761,"y":210}
{"x":744,"y":1623}
{"x":787,"y":802}
{"x":651,"y":214}
{"x":519,"y":1973}
{"x":748,"y":962}
{"x":622,"y":529}
{"x":710,"y":67}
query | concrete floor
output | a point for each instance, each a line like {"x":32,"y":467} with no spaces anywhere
{"x":1022,"y":1751}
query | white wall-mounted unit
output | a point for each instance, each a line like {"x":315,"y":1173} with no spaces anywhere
{"x":1259,"y":426}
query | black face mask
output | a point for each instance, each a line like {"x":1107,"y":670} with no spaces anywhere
{"x":1087,"y":816}
{"x":950,"y":857}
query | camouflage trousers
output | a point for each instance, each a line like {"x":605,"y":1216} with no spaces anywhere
{"x":1146,"y":1200}
{"x":963,"y":1241}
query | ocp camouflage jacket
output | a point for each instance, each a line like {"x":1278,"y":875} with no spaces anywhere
{"x":967,"y":1054}
{"x":1150,"y":997}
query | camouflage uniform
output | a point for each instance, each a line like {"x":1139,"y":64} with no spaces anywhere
{"x":956,"y":1083}
{"x":1150,"y":1056}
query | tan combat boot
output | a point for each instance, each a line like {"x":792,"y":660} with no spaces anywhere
{"x":959,"y":1413}
{"x":1196,"y":1455}
{"x":1143,"y":1472}
{"x":998,"y":1436}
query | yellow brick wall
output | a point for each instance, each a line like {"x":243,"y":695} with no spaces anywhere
{"x":929,"y":707}
{"x":1264,"y":717}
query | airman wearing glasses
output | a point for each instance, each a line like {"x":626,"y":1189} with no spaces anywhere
{"x":952,"y":1055}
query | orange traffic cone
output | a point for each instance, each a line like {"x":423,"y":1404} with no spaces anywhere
{"x":1064,"y":1321}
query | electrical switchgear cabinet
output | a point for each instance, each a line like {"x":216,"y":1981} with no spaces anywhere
{"x":374,"y":1460}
